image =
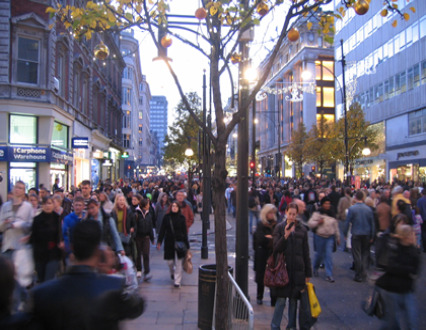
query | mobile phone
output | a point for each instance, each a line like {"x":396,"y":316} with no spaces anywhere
{"x":290,"y":226}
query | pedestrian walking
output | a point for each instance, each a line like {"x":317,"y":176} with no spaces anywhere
{"x":83,"y":298}
{"x":291,"y":238}
{"x":125,"y":221}
{"x":262,"y":245}
{"x":161,"y":208}
{"x":326,"y":235}
{"x":46,"y":240}
{"x":173,"y":229}
{"x":144,"y":235}
{"x":397,"y":284}
{"x":361,"y":217}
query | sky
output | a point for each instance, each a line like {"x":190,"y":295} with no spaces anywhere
{"x":189,"y":63}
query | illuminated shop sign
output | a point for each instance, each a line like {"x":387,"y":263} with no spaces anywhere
{"x":80,"y":143}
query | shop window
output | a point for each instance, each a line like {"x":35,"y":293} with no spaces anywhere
{"x":25,"y":172}
{"x":60,"y":135}
{"x":28,"y":60}
{"x":23,"y":129}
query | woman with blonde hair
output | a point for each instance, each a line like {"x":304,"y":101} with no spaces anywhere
{"x":262,"y":245}
{"x":125,"y":221}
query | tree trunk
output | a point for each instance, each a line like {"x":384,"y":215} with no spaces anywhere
{"x":219,"y":186}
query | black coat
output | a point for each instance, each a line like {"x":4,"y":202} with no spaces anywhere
{"x":46,"y":234}
{"x":403,"y":267}
{"x":298,"y":261}
{"x":144,"y":224}
{"x":166,"y":234}
{"x":83,"y":299}
{"x":262,"y":249}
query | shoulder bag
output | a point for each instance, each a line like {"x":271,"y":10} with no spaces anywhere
{"x":276,"y":272}
{"x":180,"y":246}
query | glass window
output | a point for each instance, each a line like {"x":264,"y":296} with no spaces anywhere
{"x":328,"y":70}
{"x":318,"y":70}
{"x":23,"y":129}
{"x":319,"y":102}
{"x":25,"y":172}
{"x":417,"y":122}
{"x":416,"y":75}
{"x":402,"y":40}
{"x":424,"y":72}
{"x":387,"y":88}
{"x":410,"y":78}
{"x":328,"y":97}
{"x":403,"y":82}
{"x":423,"y":27}
{"x":60,"y":135}
{"x":415,"y":31}
{"x":28,"y":60}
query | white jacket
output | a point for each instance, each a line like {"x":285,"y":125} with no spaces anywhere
{"x":22,"y":222}
{"x":328,"y":228}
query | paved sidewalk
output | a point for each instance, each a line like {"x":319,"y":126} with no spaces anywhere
{"x":177,"y":308}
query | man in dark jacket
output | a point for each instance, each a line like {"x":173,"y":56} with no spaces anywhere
{"x":363,"y":231}
{"x":82,"y":298}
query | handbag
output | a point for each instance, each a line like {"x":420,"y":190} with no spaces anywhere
{"x":187,"y":263}
{"x":125,"y":239}
{"x":313,"y":300}
{"x":374,"y":304}
{"x":276,"y":272}
{"x":180,"y":246}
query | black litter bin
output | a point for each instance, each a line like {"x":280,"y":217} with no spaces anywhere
{"x":206,"y":292}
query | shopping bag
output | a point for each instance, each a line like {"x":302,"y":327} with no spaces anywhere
{"x":374,"y":305}
{"x":24,"y":265}
{"x":313,"y":300}
{"x":187,"y":262}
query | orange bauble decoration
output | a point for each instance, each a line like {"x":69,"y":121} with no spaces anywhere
{"x":262,"y":8}
{"x":293,"y":35}
{"x":235,"y":58}
{"x":201,"y":13}
{"x":361,"y":7}
{"x":166,"y":41}
{"x":384,"y":12}
{"x":101,"y":51}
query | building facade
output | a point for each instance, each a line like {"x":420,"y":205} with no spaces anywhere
{"x":289,"y":98}
{"x":158,"y":119}
{"x":60,"y":108}
{"x":386,"y":74}
{"x":135,"y":104}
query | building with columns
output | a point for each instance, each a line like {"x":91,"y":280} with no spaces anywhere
{"x":289,"y":98}
{"x":60,"y":108}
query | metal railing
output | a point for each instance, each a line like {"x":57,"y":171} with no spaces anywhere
{"x":240,"y":311}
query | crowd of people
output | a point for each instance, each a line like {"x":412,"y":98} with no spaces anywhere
{"x":50,"y":233}
{"x":86,"y":247}
{"x":388,"y":220}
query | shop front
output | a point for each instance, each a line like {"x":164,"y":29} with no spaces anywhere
{"x":81,"y":160}
{"x":408,"y":165}
{"x":100,"y":147}
{"x":371,"y":169}
{"x":60,"y":165}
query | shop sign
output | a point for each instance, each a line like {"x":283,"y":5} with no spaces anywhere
{"x":29,"y":154}
{"x":3,"y":154}
{"x":80,"y":143}
{"x":61,"y":157}
{"x":407,"y":154}
{"x":364,"y":162}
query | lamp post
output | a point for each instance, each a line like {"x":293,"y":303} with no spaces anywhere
{"x":343,"y":61}
{"x":189,"y":153}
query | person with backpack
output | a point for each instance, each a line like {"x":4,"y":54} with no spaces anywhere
{"x":110,"y":234}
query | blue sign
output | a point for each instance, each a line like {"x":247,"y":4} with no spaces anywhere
{"x":3,"y":153}
{"x":61,"y":157}
{"x":80,"y":143}
{"x":29,"y":154}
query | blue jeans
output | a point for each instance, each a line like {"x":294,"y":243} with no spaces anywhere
{"x":292,"y":314}
{"x":252,"y":214}
{"x":400,"y":311}
{"x":324,"y":253}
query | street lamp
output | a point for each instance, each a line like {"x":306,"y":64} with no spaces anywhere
{"x":189,"y":153}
